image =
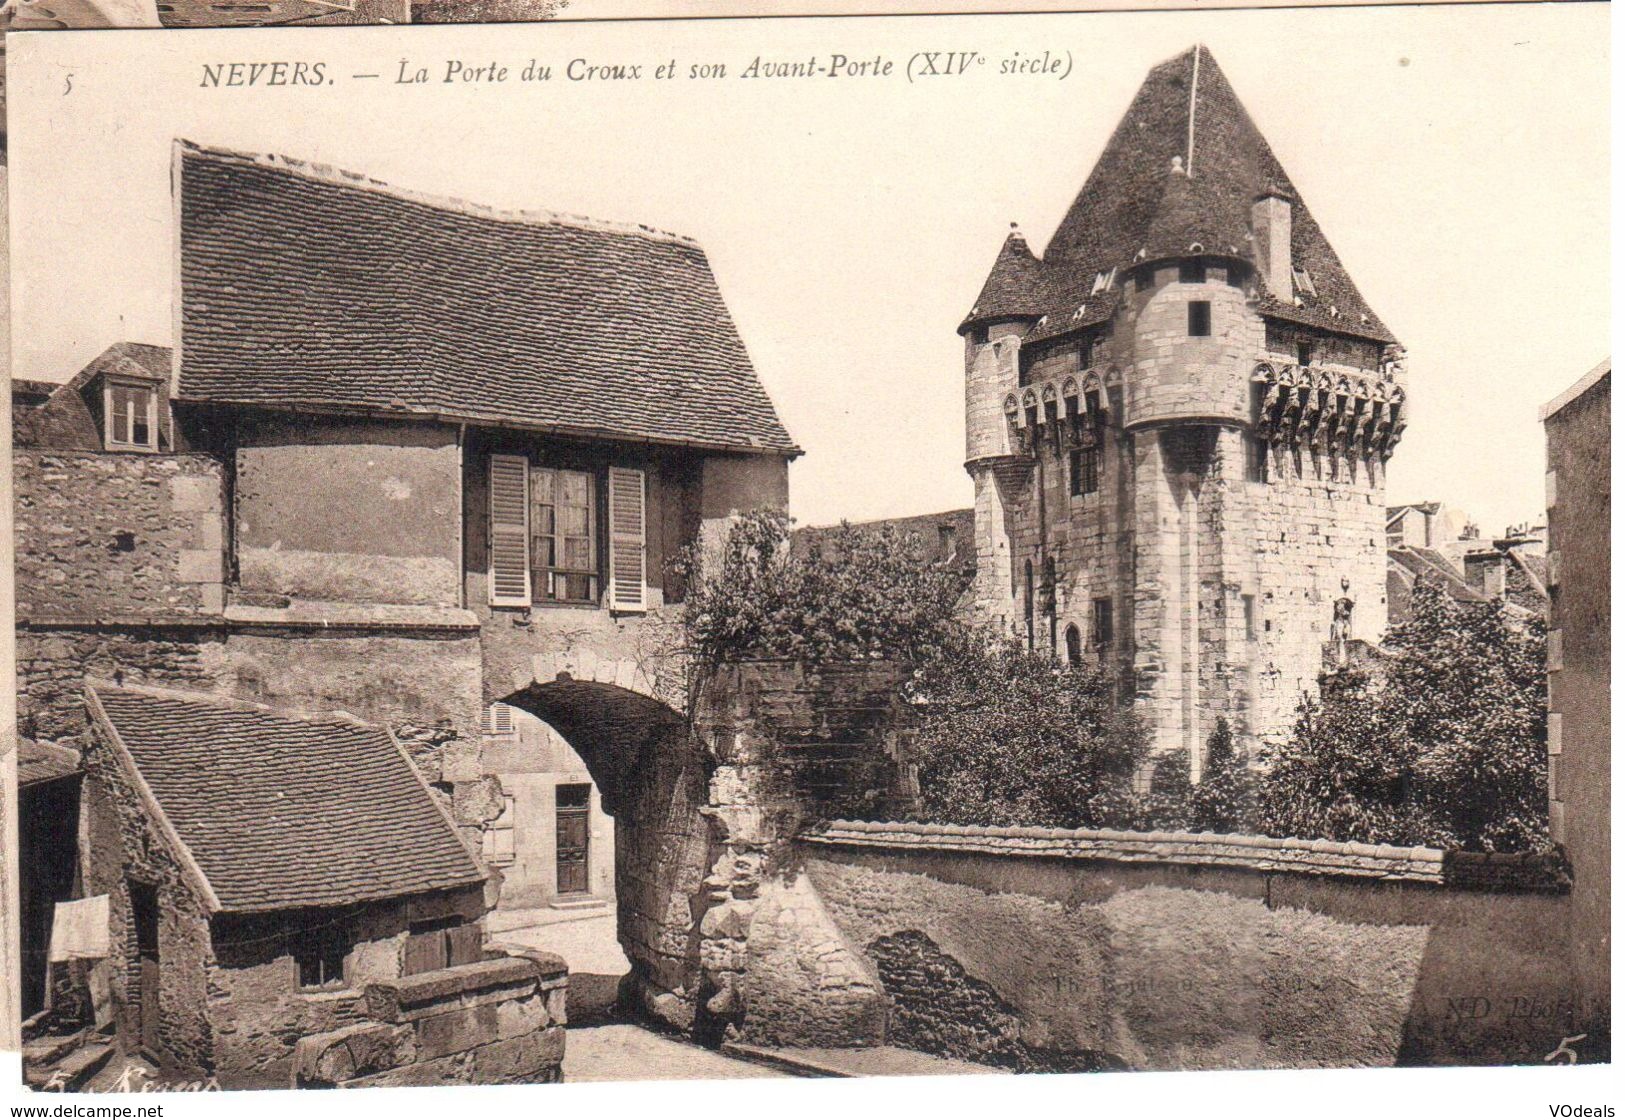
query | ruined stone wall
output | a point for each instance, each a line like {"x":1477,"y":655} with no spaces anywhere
{"x":110,"y":534}
{"x":348,"y":511}
{"x":792,"y":743}
{"x":1175,"y":951}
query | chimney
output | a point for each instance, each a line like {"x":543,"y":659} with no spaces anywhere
{"x":1272,"y":242}
{"x":1486,"y":572}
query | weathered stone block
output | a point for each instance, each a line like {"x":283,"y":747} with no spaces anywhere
{"x":354,"y":1051}
{"x":451,"y":1070}
{"x":409,"y":998}
{"x":516,"y":1060}
{"x":460,"y":761}
{"x":194,"y":494}
{"x":459,"y":1030}
{"x":475,"y":802}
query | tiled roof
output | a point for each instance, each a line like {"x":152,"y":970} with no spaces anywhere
{"x":32,"y":392}
{"x":1407,"y":564}
{"x":65,"y":422}
{"x":306,"y":287}
{"x":44,"y":762}
{"x":1015,"y":286}
{"x":281,"y":812}
{"x":1135,"y":202}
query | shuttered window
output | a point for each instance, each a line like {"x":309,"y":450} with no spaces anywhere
{"x":510,"y":531}
{"x":626,"y":540}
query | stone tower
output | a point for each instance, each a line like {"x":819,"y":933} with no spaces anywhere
{"x":1178,"y":421}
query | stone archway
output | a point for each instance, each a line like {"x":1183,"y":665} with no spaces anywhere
{"x":654,"y":780}
{"x":720,"y":925}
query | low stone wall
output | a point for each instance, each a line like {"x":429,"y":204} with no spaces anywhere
{"x":495,"y":1022}
{"x":1095,"y":949}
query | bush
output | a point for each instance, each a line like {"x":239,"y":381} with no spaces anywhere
{"x":1011,"y":737}
{"x":858,"y":594}
{"x":1224,"y":801}
{"x":1447,"y":749}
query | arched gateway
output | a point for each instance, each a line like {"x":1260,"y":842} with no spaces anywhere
{"x":718,"y":923}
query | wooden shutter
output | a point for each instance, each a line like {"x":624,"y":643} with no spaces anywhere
{"x":626,"y":540}
{"x":510,"y":531}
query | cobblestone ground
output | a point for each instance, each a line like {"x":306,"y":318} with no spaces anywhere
{"x":622,"y":1052}
{"x":598,"y":1051}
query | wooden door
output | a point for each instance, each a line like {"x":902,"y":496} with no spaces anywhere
{"x":573,"y":834}
{"x":148,"y":972}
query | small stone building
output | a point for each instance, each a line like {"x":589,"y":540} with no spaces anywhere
{"x":264,"y":871}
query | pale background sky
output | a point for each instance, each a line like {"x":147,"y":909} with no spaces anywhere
{"x":1457,"y":158}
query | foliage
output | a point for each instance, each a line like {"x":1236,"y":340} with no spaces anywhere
{"x":1011,"y":737}
{"x":1444,"y":746}
{"x":1448,"y":748}
{"x":855,"y":594}
{"x":1224,"y":801}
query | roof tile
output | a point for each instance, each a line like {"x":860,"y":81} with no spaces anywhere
{"x":307,"y":287}
{"x":282,"y":812}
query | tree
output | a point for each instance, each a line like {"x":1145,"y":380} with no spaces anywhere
{"x":1446,"y":748}
{"x":857,"y":594}
{"x":1011,"y":737}
{"x":1223,"y":802}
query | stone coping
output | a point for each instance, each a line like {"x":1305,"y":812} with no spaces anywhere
{"x":406,"y":998}
{"x":1349,"y":859}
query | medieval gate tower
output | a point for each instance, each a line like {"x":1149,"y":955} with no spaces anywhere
{"x":1178,"y":422}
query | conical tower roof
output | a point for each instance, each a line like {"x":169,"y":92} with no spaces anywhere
{"x":1183,"y":169}
{"x":1014,"y":289}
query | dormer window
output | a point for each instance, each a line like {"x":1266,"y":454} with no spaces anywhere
{"x":130,"y":415}
{"x":1103,"y":281}
{"x":1302,"y":283}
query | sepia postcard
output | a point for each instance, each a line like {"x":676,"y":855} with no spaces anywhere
{"x":750,"y":549}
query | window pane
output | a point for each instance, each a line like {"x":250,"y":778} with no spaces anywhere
{"x":576,"y":553}
{"x":572,"y":521}
{"x":541,"y":486}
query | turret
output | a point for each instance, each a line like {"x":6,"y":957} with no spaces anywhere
{"x":1010,"y":302}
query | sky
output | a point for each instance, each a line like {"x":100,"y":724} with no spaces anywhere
{"x":1456,"y":157}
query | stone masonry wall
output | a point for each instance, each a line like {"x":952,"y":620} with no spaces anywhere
{"x":500,"y":1021}
{"x":1167,"y":951}
{"x":1578,"y":461}
{"x":257,"y":1009}
{"x":107,"y":534}
{"x":53,"y":662}
{"x":122,"y":843}
{"x":1220,"y":587}
{"x":791,"y":743}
